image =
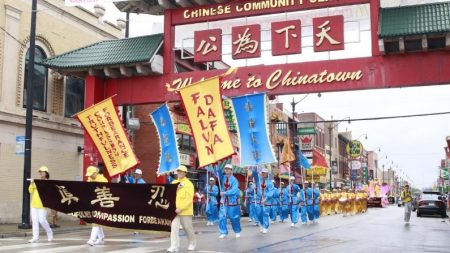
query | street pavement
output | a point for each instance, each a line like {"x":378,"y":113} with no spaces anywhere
{"x":378,"y":230}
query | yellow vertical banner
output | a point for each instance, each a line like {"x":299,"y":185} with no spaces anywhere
{"x":103,"y":125}
{"x":203,"y":104}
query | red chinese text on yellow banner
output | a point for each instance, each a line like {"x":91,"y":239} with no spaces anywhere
{"x":203,"y":104}
{"x":104,"y":127}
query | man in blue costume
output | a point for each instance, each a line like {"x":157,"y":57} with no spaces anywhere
{"x":310,"y":202}
{"x":264,"y":198}
{"x":292,"y":191}
{"x":229,"y":203}
{"x":316,"y":197}
{"x":275,"y":204}
{"x":302,"y":203}
{"x":212,"y":210}
{"x":284,"y":203}
{"x":250,"y":202}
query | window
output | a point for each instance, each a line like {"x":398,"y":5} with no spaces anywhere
{"x":281,"y":128}
{"x":74,"y":96}
{"x":39,"y":81}
{"x":186,"y":142}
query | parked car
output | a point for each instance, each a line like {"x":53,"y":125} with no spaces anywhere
{"x":431,"y":203}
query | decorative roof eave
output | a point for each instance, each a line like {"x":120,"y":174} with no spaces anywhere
{"x":154,"y":67}
{"x":157,"y":7}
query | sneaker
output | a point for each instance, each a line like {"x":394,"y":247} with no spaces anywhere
{"x":315,"y":221}
{"x":222,"y":236}
{"x":91,"y":242}
{"x":191,"y":247}
{"x":181,"y":227}
{"x":264,"y":231}
{"x":292,"y":225}
{"x":56,"y":226}
{"x":272,"y":222}
{"x":50,"y":238}
{"x":304,"y":223}
{"x":33,"y":240}
{"x":172,"y":249}
{"x":99,"y":241}
{"x":238,"y":235}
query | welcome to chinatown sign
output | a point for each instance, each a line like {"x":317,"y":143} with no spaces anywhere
{"x":286,"y":38}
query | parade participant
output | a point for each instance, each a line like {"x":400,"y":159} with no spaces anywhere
{"x":406,"y":200}
{"x":352,"y":200}
{"x":97,"y":234}
{"x":275,"y":204}
{"x":38,"y":211}
{"x":250,"y":203}
{"x":302,"y":203}
{"x":229,"y":203}
{"x":212,"y":211}
{"x":316,"y":197}
{"x":365,"y":197}
{"x":185,"y":210}
{"x":334,"y":201}
{"x":323,"y":202}
{"x":138,"y":177}
{"x":309,"y":192}
{"x":292,"y":194}
{"x":264,"y":198}
{"x":284,"y":203}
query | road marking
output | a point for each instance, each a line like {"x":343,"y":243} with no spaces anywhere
{"x":137,"y":250}
{"x":25,"y":245}
{"x":79,"y":248}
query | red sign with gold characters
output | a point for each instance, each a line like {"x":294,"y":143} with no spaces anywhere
{"x":286,"y":37}
{"x":208,"y":45}
{"x":246,"y":41}
{"x":328,"y":33}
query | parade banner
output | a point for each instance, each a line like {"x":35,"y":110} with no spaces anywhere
{"x":286,"y":154}
{"x":131,"y":206}
{"x":204,"y":108}
{"x":103,"y":125}
{"x":251,"y":115}
{"x":303,"y":161}
{"x":169,"y":159}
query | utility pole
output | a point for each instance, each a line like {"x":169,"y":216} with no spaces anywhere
{"x":29,"y":122}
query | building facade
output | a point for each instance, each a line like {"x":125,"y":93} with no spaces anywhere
{"x":56,"y":136}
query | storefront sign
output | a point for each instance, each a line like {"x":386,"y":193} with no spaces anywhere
{"x":334,"y":167}
{"x":355,"y":165}
{"x":186,"y":159}
{"x":183,"y":128}
{"x":306,"y":130}
{"x":131,"y":206}
{"x":20,"y":145}
{"x":354,"y":149}
{"x":306,"y":142}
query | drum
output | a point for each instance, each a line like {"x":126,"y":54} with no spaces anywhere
{"x":343,"y":200}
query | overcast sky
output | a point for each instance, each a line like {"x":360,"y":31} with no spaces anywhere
{"x":414,"y":145}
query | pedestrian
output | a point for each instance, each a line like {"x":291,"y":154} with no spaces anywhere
{"x":251,"y":203}
{"x":284,"y":203}
{"x":198,"y":198}
{"x":212,"y":210}
{"x":97,"y":234}
{"x":38,"y":211}
{"x":229,"y":203}
{"x":184,"y":209}
{"x":275,"y":204}
{"x":265,"y":192}
{"x":406,"y":197}
{"x":302,"y":203}
{"x":54,"y":216}
{"x":316,"y":196}
{"x":138,"y":177}
{"x":292,"y":191}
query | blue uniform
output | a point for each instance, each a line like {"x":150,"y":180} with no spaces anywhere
{"x":303,"y":206}
{"x":291,"y":191}
{"x":316,"y":209}
{"x":212,"y":210}
{"x":267,"y":189}
{"x":250,"y":203}
{"x":284,"y":211}
{"x":229,"y":204}
{"x":275,"y":204}
{"x":310,"y":203}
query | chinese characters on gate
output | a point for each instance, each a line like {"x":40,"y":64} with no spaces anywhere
{"x":328,"y":34}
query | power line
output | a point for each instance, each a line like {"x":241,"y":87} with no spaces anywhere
{"x":349,"y":120}
{"x":10,"y":35}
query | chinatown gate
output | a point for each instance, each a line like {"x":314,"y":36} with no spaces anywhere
{"x":280,"y":46}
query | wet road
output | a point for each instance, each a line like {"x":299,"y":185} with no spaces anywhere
{"x":379,"y":230}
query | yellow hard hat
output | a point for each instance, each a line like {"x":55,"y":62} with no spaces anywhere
{"x":91,"y":170}
{"x":43,"y":169}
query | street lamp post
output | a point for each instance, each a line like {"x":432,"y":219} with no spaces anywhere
{"x":330,"y":128}
{"x":28,"y":123}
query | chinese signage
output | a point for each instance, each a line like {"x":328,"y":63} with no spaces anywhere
{"x":186,"y":159}
{"x":354,"y":149}
{"x":306,"y":142}
{"x":229,"y":115}
{"x":286,"y":39}
{"x":131,"y":206}
{"x":105,"y":128}
{"x":355,"y":165}
{"x":306,"y":130}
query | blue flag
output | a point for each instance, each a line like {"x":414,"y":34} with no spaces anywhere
{"x":251,"y":116}
{"x":169,"y":159}
{"x":303,"y":161}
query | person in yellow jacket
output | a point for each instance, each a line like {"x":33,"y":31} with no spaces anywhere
{"x":185,"y":211}
{"x":406,"y":196}
{"x":97,"y":234}
{"x":38,"y":211}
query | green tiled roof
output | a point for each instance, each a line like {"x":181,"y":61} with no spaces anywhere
{"x":414,"y":20}
{"x":108,"y":53}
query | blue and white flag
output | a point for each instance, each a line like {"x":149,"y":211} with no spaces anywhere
{"x":303,"y":161}
{"x":251,"y":116}
{"x":169,"y":159}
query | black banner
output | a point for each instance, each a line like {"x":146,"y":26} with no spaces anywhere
{"x":132,"y":206}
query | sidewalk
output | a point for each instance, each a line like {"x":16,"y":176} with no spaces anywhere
{"x":11,"y":230}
